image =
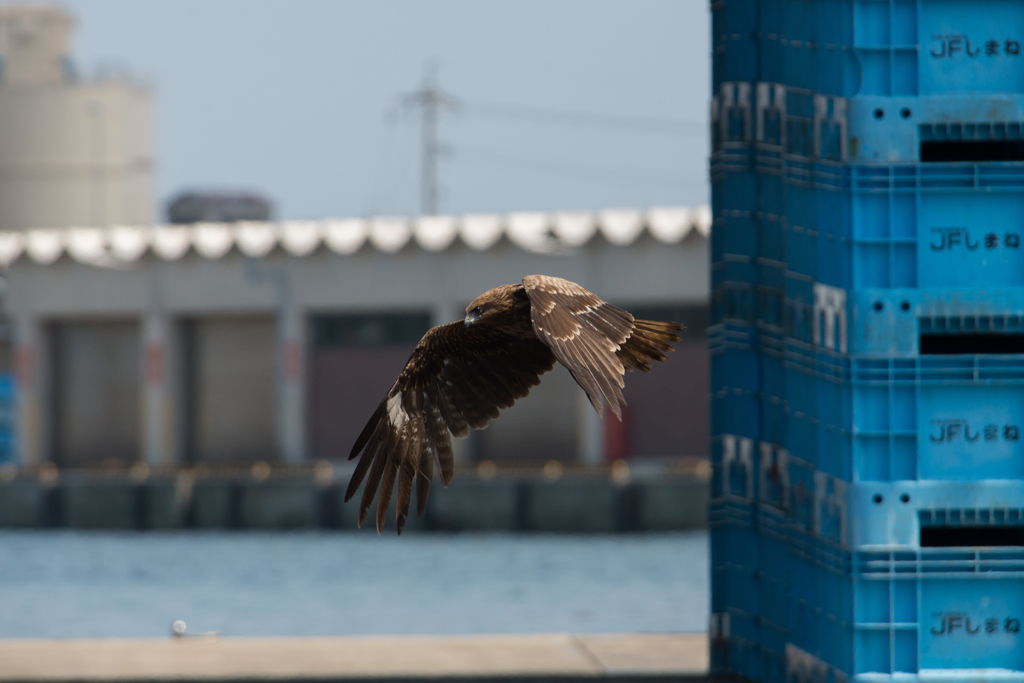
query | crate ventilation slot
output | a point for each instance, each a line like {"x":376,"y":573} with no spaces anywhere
{"x":961,"y":132}
{"x":971,"y":517}
{"x":972,"y":536}
{"x":972,"y":344}
{"x":972,"y":150}
{"x":1002,"y":324}
{"x":971,"y":142}
{"x":964,"y":528}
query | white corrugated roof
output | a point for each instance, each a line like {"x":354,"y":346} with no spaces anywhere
{"x":537,"y":232}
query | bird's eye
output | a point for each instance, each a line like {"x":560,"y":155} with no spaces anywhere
{"x":478,"y":310}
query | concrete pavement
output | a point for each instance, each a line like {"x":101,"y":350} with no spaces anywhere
{"x":562,"y":657}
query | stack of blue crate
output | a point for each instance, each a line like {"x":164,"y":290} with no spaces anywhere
{"x":7,"y":415}
{"x":867,"y":340}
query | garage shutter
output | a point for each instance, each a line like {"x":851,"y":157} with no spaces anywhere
{"x":231,"y":405}
{"x":668,"y":407}
{"x":96,"y":393}
{"x":355,"y":360}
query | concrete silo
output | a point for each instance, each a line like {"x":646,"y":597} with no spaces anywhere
{"x":73,"y":152}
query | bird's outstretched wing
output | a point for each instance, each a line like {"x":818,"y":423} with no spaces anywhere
{"x":457,"y":378}
{"x":596,"y":341}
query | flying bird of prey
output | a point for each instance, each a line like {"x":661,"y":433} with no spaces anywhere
{"x":461,"y":374}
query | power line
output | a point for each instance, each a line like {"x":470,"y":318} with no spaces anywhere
{"x":430,"y":101}
{"x":655,"y":126}
{"x":501,"y":159}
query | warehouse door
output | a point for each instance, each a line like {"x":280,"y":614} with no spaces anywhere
{"x":667,"y":412}
{"x":96,"y":393}
{"x":356,"y":359}
{"x":230,"y":393}
{"x":538,"y":428}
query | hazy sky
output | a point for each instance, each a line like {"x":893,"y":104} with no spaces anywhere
{"x":567,"y":104}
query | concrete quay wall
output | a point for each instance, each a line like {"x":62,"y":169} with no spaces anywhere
{"x":572,"y":503}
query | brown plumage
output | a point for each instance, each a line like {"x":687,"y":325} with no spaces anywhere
{"x":462,"y":374}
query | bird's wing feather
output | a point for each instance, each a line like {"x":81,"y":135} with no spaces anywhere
{"x":585,"y":334}
{"x":457,"y":378}
{"x":650,"y":341}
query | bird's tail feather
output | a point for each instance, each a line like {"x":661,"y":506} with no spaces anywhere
{"x":649,"y":341}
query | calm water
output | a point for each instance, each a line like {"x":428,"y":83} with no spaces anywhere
{"x":78,"y":584}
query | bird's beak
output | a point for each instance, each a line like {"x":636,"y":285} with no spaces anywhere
{"x":470,"y":319}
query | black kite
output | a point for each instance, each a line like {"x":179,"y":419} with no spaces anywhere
{"x":461,"y":374}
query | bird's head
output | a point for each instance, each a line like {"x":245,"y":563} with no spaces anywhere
{"x":477,"y":310}
{"x":488,"y":304}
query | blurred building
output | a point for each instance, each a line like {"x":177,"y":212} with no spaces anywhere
{"x":73,"y":151}
{"x":239,"y":342}
{"x":218,"y":207}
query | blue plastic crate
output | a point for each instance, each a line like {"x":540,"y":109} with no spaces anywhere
{"x":734,"y":655}
{"x":950,"y":225}
{"x":749,"y":609}
{"x":907,"y":225}
{"x":735,"y":381}
{"x":805,"y":44}
{"x":888,"y":130}
{"x":773,"y":576}
{"x":750,"y":304}
{"x":872,"y":47}
{"x":753,"y":627}
{"x":891,"y":514}
{"x":847,"y":390}
{"x":734,"y":467}
{"x":734,"y":556}
{"x":888,"y":605}
{"x":764,"y":126}
{"x":904,"y":593}
{"x":734,"y":42}
{"x":882,"y":322}
{"x":734,"y":302}
{"x":764,"y":487}
{"x":940,"y":609}
{"x":736,"y":592}
{"x":929,"y":417}
{"x":773,"y":386}
{"x":888,"y":322}
{"x":8,"y":397}
{"x":736,"y":411}
{"x":769,"y":127}
{"x":819,"y":623}
{"x":761,"y":484}
{"x":939,"y":46}
{"x":902,"y":615}
{"x":937,"y":226}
